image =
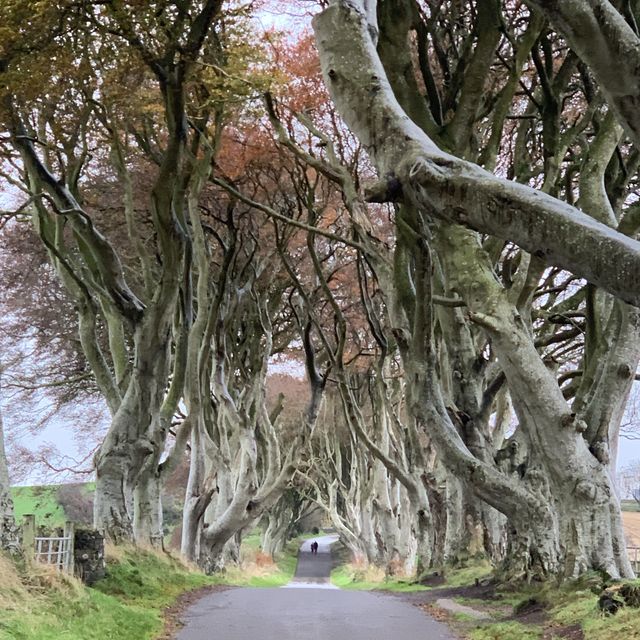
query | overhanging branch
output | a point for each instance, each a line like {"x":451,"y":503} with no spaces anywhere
{"x":453,"y":189}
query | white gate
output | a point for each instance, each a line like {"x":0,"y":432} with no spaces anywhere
{"x":55,"y":550}
{"x":634,"y":557}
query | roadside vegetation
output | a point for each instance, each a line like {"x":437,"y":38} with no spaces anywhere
{"x":544,"y":612}
{"x":40,"y":603}
{"x":536,"y":611}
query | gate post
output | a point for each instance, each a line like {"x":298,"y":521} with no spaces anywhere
{"x":69,"y":534}
{"x":29,"y":537}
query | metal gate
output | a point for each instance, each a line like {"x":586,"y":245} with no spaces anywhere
{"x":55,"y":550}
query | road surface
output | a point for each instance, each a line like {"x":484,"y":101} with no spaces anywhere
{"x":313,"y":571}
{"x":317,"y":611}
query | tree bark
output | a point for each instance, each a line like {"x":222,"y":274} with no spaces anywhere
{"x":412,"y":167}
{"x":564,"y":493}
{"x":8,"y":530}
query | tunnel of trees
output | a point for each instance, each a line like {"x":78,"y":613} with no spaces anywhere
{"x":429,"y":208}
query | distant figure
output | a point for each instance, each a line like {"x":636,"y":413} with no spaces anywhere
{"x":314,"y":547}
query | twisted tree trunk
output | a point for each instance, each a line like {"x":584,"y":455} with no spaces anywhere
{"x":561,"y":504}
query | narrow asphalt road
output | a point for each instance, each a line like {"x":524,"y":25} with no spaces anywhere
{"x":309,"y":608}
{"x":313,"y":570}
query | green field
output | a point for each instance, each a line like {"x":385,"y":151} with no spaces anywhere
{"x":42,"y":501}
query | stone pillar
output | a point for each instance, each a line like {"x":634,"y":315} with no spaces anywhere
{"x":89,"y":555}
{"x":70,"y":534}
{"x":29,"y":538}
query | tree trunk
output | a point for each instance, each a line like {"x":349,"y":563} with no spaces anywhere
{"x":8,"y":530}
{"x":561,"y":504}
{"x":275,"y":533}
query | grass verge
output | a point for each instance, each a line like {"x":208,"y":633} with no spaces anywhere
{"x":550,"y":611}
{"x":356,"y":578}
{"x":42,"y":604}
{"x":129,"y":603}
{"x":258,"y":569}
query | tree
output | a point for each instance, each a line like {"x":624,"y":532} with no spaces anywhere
{"x":563,"y":486}
{"x":129,"y":100}
{"x":8,"y":532}
{"x":629,"y":482}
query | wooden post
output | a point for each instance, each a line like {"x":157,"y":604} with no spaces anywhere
{"x":29,"y":538}
{"x":69,"y":532}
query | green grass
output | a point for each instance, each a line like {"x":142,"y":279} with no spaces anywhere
{"x":41,"y":501}
{"x":127,"y":605}
{"x":629,"y":505}
{"x":571,"y":607}
{"x":506,"y":631}
{"x":258,"y":570}
{"x":567,"y":605}
{"x":349,"y":579}
{"x":150,"y":580}
{"x":466,"y":575}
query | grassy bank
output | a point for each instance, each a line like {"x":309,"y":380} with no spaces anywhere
{"x":523,"y":612}
{"x":546,"y":612}
{"x":260,"y":570}
{"x":42,"y":604}
{"x":352,"y":577}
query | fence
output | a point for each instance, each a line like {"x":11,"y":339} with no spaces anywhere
{"x":54,"y":550}
{"x":634,"y":557}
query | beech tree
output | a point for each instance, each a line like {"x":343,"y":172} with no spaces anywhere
{"x":128,"y":100}
{"x":564,"y":491}
{"x":8,"y":530}
{"x":467,"y":319}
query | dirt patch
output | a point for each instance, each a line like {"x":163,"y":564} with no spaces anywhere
{"x":531,"y":612}
{"x":572,"y":632}
{"x":432,"y":580}
{"x":173,"y":614}
{"x":476,"y":592}
{"x":455,"y":607}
